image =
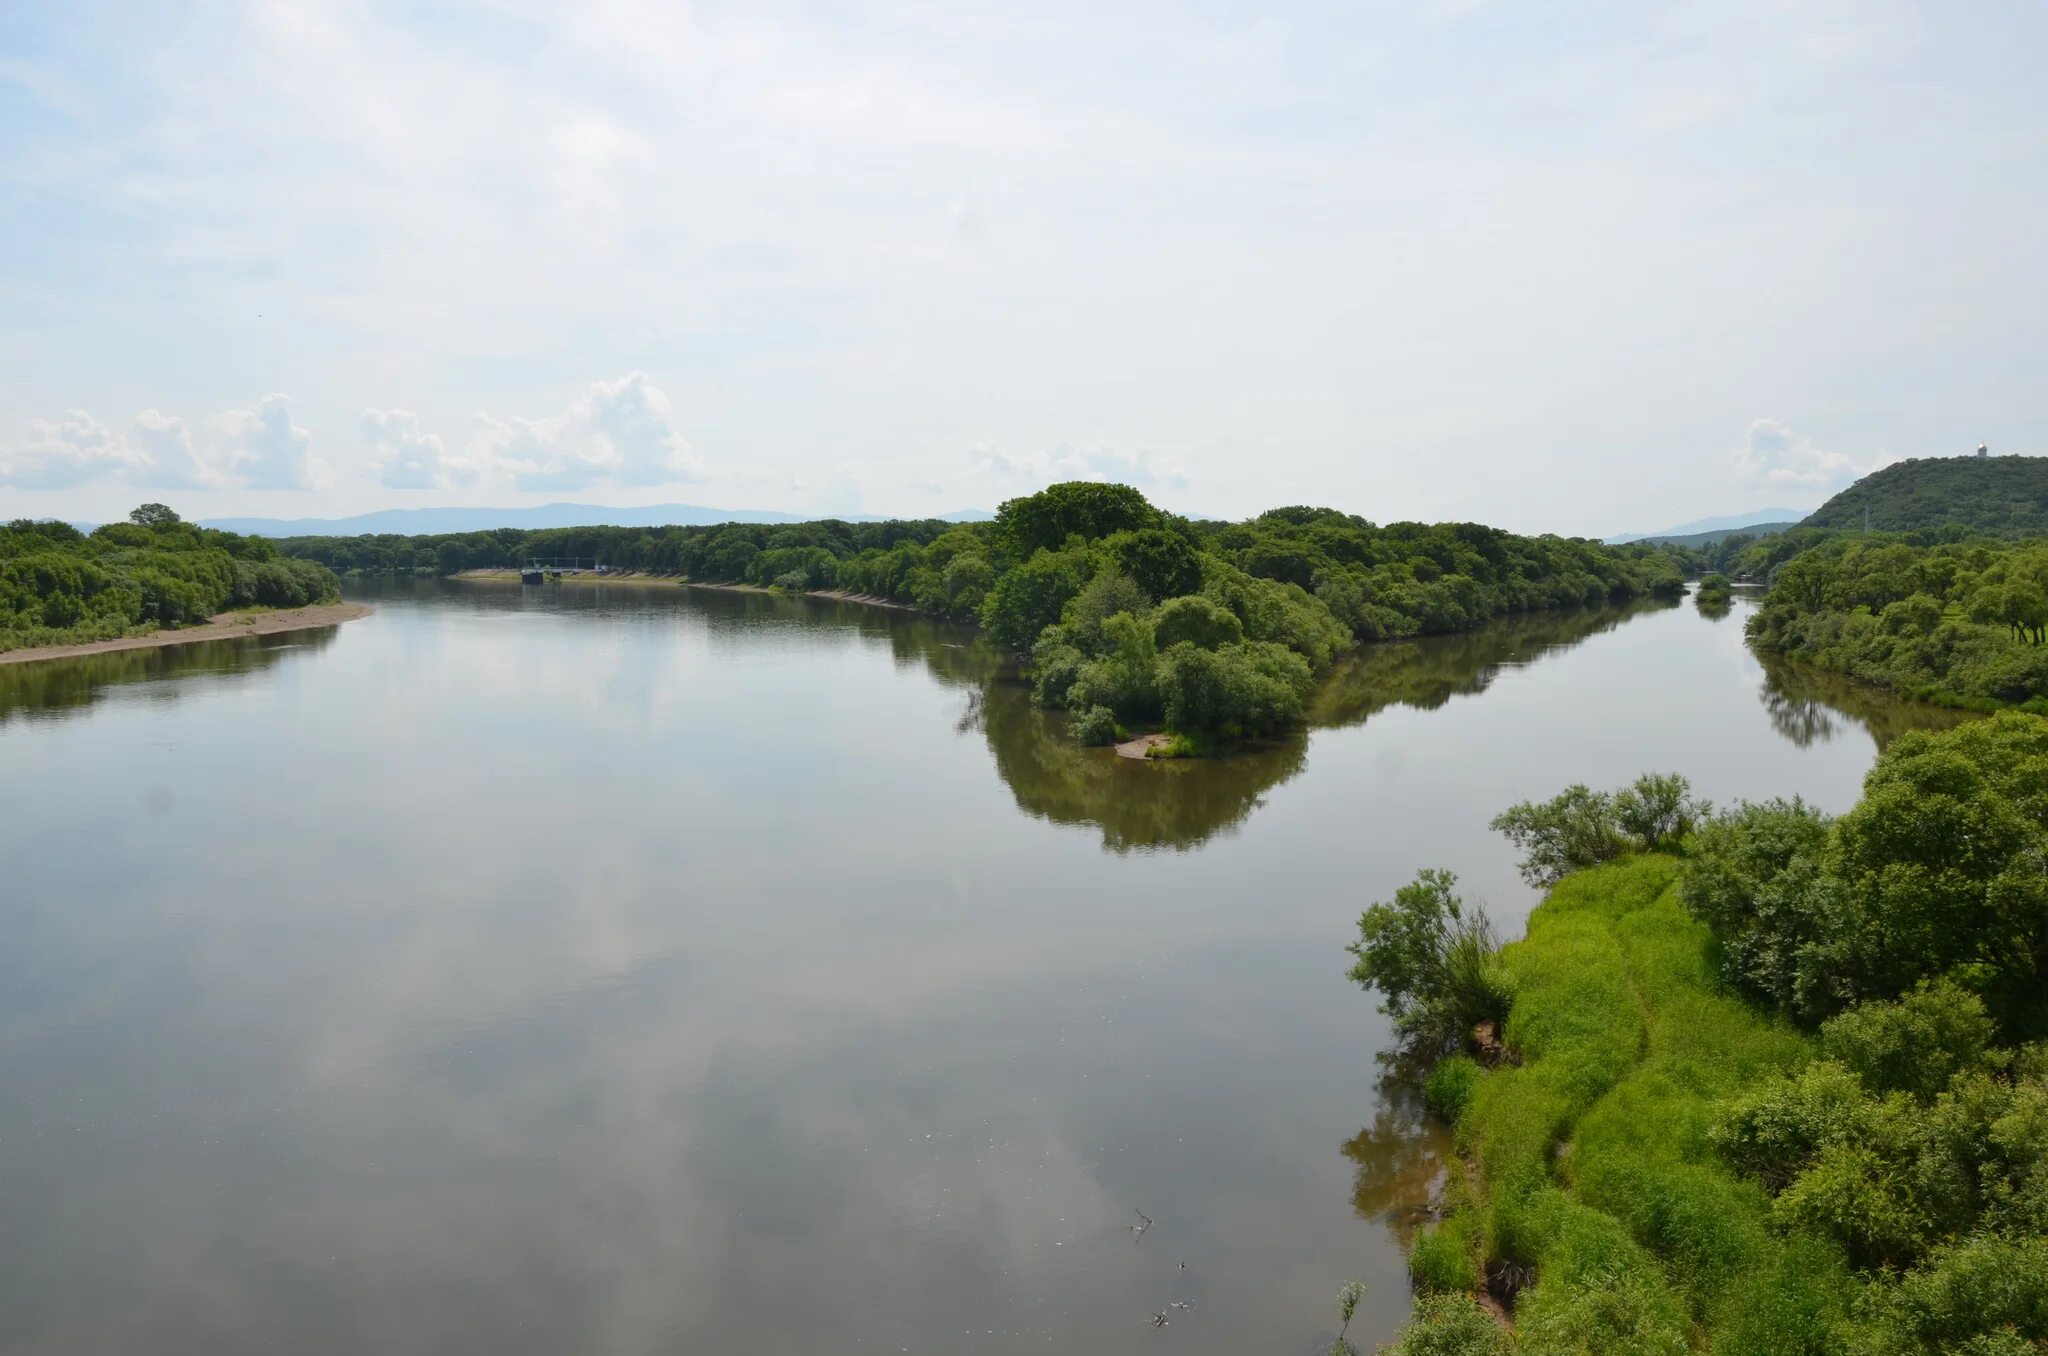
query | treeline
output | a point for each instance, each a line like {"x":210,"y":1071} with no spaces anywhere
{"x":1963,"y":624}
{"x":61,"y":586}
{"x":1756,"y":1082}
{"x":1134,"y":617}
{"x":798,"y":555}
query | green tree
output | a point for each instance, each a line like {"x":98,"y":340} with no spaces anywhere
{"x":1031,"y":597}
{"x":1164,"y":563}
{"x":1658,"y":809}
{"x":1944,"y":863}
{"x":1201,"y":622}
{"x":1572,"y":830}
{"x":153,"y":516}
{"x":1753,"y":876}
{"x":1915,"y":1044}
{"x":1434,"y":962}
{"x":1074,"y":508}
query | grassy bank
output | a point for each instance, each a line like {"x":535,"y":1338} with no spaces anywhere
{"x":1787,"y":1092}
{"x":1588,"y":1172}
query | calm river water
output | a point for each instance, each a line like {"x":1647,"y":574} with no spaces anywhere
{"x":633,"y":969}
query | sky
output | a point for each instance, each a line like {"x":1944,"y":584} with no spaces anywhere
{"x":1574,"y":267}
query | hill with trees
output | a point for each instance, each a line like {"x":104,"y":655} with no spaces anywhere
{"x":1998,"y":496}
{"x":60,"y":586}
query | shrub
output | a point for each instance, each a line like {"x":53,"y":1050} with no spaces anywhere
{"x":1125,"y":678}
{"x":1914,"y":1045}
{"x":1440,"y":1261}
{"x":1852,"y":1197}
{"x":1451,"y":1325}
{"x":1095,"y":726}
{"x":1622,"y":1310}
{"x":1750,"y":876}
{"x":1200,"y":622}
{"x":1571,"y":831}
{"x":1657,"y":810}
{"x":1450,"y":1085}
{"x":1055,"y":667}
{"x":1435,"y":966}
{"x":1979,"y":1287}
{"x":1238,"y":691}
{"x":1776,"y":1130}
{"x":1108,"y":594}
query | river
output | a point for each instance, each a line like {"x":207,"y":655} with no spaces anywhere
{"x":637,"y":969}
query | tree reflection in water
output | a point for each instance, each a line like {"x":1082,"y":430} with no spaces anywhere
{"x":1141,"y":806}
{"x":1398,"y":1160}
{"x":53,"y":687}
{"x":1806,"y":705}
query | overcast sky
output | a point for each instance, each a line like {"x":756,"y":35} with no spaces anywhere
{"x":1558,"y":267}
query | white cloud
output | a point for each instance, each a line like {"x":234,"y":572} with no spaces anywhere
{"x":619,"y":432}
{"x":259,"y":448}
{"x":410,"y":458}
{"x":165,"y":445}
{"x":1142,"y":470}
{"x":267,"y":450}
{"x":1773,"y":454}
{"x":71,"y":450}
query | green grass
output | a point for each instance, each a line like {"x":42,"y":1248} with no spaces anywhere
{"x":1592,"y":1164}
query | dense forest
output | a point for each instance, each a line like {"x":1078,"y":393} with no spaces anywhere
{"x":1133,"y":618}
{"x":1998,"y":496}
{"x":1963,"y":624}
{"x":1754,"y":1082}
{"x":60,"y":586}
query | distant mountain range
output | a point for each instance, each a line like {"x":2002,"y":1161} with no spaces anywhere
{"x":421,"y":521}
{"x":1774,"y":519}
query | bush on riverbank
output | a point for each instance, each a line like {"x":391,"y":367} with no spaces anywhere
{"x":1580,"y":827}
{"x":60,"y":586}
{"x":1659,"y":1161}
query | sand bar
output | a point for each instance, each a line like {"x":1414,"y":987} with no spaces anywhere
{"x":227,"y":626}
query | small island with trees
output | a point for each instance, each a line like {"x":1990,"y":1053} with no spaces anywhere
{"x":1133,"y":619}
{"x":152,"y":580}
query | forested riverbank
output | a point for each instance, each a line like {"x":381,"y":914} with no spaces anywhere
{"x":1963,"y":624}
{"x":1759,"y":1081}
{"x":155,"y":572}
{"x":1132,"y":618}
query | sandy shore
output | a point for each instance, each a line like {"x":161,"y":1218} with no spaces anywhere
{"x":227,"y":626}
{"x":1141,"y":747}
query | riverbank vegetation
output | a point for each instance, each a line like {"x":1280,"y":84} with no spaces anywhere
{"x":60,"y":586}
{"x":1776,"y":1087}
{"x":1132,"y":618}
{"x":1963,"y":624}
